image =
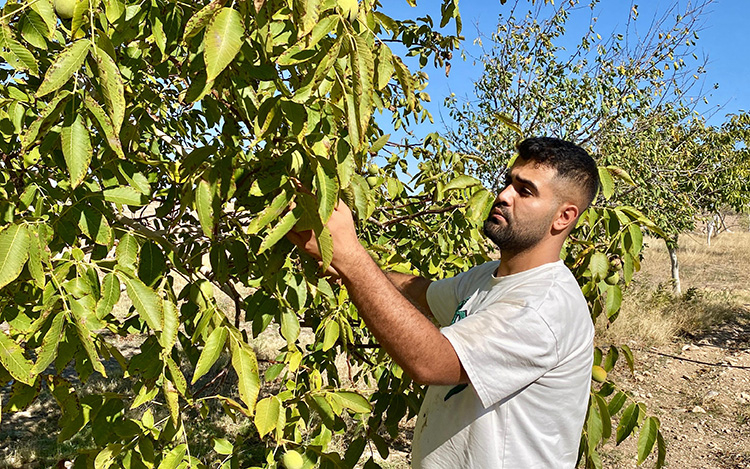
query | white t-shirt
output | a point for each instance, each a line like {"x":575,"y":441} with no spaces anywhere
{"x":526,"y":343}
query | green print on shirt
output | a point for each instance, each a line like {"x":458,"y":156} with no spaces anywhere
{"x":457,"y":316}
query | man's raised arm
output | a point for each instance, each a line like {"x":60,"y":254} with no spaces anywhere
{"x":413,"y":288}
{"x":405,"y":333}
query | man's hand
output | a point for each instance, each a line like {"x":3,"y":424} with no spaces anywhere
{"x":346,"y":247}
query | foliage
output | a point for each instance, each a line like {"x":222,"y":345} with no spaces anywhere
{"x":147,"y":146}
{"x":531,"y":84}
{"x":683,"y":168}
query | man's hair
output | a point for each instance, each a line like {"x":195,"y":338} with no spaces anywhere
{"x":569,"y":160}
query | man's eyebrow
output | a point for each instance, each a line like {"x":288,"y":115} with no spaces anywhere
{"x":527,"y":182}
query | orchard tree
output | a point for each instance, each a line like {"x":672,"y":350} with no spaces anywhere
{"x":684,"y":170}
{"x":163,"y":150}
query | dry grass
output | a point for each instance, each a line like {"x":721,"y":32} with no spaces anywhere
{"x":715,"y":283}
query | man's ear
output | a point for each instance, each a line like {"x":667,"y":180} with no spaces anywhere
{"x":567,"y":215}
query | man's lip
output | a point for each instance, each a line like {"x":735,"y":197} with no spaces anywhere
{"x":498,"y":213}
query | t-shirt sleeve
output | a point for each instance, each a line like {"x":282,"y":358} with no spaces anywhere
{"x":442,"y":297}
{"x":503,"y":350}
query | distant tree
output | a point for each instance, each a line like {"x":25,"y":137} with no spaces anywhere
{"x":684,"y":170}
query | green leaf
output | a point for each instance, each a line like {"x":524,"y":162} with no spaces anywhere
{"x":661,"y":451}
{"x":113,"y":88}
{"x":363,"y":69}
{"x":65,"y":65}
{"x":271,"y":212}
{"x":304,"y":49}
{"x":319,"y":403}
{"x":11,"y":356}
{"x":36,"y":254}
{"x":105,"y":125}
{"x":604,"y":414}
{"x":614,"y":300}
{"x":275,"y":234}
{"x":627,"y":423}
{"x":479,"y":205}
{"x":48,"y":351}
{"x":223,"y":446}
{"x":200,"y":19}
{"x":44,"y":120}
{"x":106,"y":456}
{"x":127,"y":252}
{"x":461,"y":182}
{"x":384,"y":69}
{"x":14,"y":251}
{"x":146,"y":302}
{"x":168,"y":336}
{"x":594,"y":428}
{"x":124,"y":195}
{"x":80,"y":313}
{"x":634,"y":239}
{"x":607,"y":183}
{"x":173,"y":459}
{"x":46,"y":11}
{"x":612,"y":355}
{"x":331,"y":335}
{"x":152,"y":263}
{"x":79,"y":16}
{"x":325,"y":246}
{"x":76,"y":146}
{"x":204,"y":199}
{"x":94,"y":225}
{"x":211,"y":352}
{"x":620,"y":173}
{"x":647,"y":438}
{"x":34,"y":29}
{"x":289,"y":326}
{"x":222,"y":41}
{"x":628,"y":357}
{"x":245,"y":364}
{"x":110,"y":295}
{"x":17,"y":56}
{"x":353,"y":401}
{"x":327,"y":192}
{"x":616,"y":403}
{"x":267,"y":415}
{"x":599,"y":265}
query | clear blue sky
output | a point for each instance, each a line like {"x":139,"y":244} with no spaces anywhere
{"x":724,"y":39}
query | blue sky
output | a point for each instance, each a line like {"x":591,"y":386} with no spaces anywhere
{"x":724,"y":39}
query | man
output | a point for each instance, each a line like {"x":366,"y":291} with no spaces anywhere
{"x":509,"y":372}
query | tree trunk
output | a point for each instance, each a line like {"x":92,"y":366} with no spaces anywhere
{"x":672,"y":248}
{"x":710,"y":227}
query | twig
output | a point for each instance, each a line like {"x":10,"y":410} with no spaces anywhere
{"x":723,"y":365}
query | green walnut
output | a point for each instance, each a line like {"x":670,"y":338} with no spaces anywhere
{"x":373,"y":170}
{"x":65,"y":8}
{"x":373,"y":181}
{"x":598,"y":373}
{"x":292,"y":460}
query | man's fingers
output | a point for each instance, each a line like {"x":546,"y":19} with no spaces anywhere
{"x":295,"y":238}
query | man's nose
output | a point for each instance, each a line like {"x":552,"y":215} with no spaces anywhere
{"x":505,"y":196}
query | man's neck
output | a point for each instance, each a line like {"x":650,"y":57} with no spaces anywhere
{"x":515,"y":262}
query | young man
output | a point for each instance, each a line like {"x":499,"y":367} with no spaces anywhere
{"x":510,"y":370}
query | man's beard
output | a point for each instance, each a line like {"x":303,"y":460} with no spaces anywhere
{"x":512,"y":237}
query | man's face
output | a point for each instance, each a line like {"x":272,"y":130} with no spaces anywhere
{"x":523,"y":212}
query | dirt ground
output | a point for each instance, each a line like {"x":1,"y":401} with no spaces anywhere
{"x":701,"y":394}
